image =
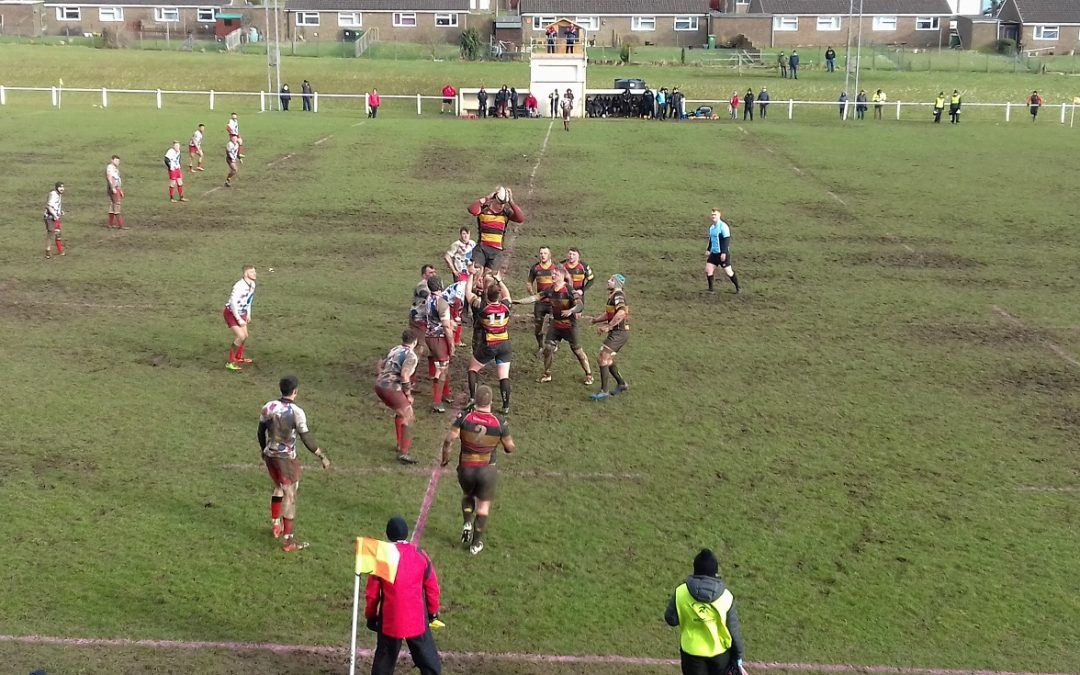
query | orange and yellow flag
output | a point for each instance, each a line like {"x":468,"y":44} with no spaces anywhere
{"x":377,"y":557}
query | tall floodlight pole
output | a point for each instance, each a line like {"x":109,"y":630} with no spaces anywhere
{"x":266,"y":40}
{"x":858,"y":48}
{"x":277,"y":47}
{"x":847,"y":55}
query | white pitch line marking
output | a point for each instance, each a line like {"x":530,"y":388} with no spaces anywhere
{"x":1042,"y":488}
{"x":212,"y":191}
{"x":745,"y":132}
{"x":833,"y":195}
{"x":1061,"y":353}
{"x":359,"y":123}
{"x":280,"y":159}
{"x":797,"y":170}
{"x":324,"y":139}
{"x":540,"y":158}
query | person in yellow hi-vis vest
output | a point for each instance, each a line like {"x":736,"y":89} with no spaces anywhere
{"x":704,"y":610}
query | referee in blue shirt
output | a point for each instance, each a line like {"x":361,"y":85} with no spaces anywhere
{"x":719,"y":255}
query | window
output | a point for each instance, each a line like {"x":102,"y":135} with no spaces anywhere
{"x":686,"y":23}
{"x":785,"y":23}
{"x":1047,"y":32}
{"x":884,"y":23}
{"x":166,"y":14}
{"x":827,"y":23}
{"x":589,"y":23}
{"x":350,"y":19}
{"x":68,"y":14}
{"x":307,"y":18}
{"x":643,"y":23}
{"x":542,"y":22}
{"x":742,"y":2}
{"x":110,"y":14}
{"x":404,"y":19}
{"x":927,"y":23}
{"x":446,"y":19}
{"x":205,"y":14}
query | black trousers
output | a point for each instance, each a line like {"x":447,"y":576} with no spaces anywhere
{"x":705,"y":665}
{"x":285,"y":104}
{"x":422,"y":647}
{"x":307,"y":102}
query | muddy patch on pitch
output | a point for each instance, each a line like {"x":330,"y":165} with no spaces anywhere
{"x":931,"y":260}
{"x":443,"y":163}
{"x":1043,"y":380}
{"x":984,"y":335}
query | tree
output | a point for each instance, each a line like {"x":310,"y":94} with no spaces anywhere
{"x":470,"y":44}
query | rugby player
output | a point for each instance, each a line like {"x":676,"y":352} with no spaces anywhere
{"x":417,"y":313}
{"x":541,"y":279}
{"x":115,"y":192}
{"x":440,"y":343}
{"x":564,"y":307}
{"x":454,"y":294}
{"x":232,"y":127}
{"x":615,"y":322}
{"x":232,"y":159}
{"x":581,"y":275}
{"x":718,"y":251}
{"x":194,"y":148}
{"x":481,"y":432}
{"x":494,"y":344}
{"x":393,"y":386}
{"x":280,"y":422}
{"x":493,"y":212}
{"x":176,"y":173}
{"x":238,"y":315}
{"x":459,"y":254}
{"x":54,"y":209}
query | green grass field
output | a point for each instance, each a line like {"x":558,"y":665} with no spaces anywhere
{"x":884,"y":461}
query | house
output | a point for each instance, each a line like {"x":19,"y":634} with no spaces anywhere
{"x":612,"y":22}
{"x":174,"y":17}
{"x":22,"y":17}
{"x":1036,"y":25}
{"x":396,"y":20}
{"x":819,"y":23}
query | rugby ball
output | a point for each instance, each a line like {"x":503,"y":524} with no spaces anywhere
{"x":502,"y":194}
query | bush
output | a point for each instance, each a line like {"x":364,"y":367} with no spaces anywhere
{"x":470,"y":44}
{"x":1006,"y":47}
{"x":624,"y":52}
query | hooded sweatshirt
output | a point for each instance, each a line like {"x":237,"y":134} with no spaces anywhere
{"x":708,"y":589}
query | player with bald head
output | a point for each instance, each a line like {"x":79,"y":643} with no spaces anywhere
{"x":493,"y":213}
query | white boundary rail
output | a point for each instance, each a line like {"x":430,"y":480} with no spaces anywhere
{"x":266,"y":99}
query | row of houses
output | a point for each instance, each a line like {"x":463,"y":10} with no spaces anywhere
{"x":1038,"y":25}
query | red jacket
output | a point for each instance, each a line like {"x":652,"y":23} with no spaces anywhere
{"x":449,"y":92}
{"x":401,"y":605}
{"x":374,"y":100}
{"x":530,"y":101}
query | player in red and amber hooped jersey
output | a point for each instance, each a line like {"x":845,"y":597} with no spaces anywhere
{"x":615,"y":323}
{"x":232,"y":127}
{"x":493,"y":212}
{"x":393,"y":386}
{"x":565,"y":307}
{"x":173,"y":164}
{"x":481,"y":432}
{"x":541,"y":278}
{"x":581,"y":275}
{"x":114,"y":190}
{"x":194,"y":149}
{"x":493,"y":304}
{"x":238,"y":315}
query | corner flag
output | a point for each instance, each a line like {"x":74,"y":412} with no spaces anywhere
{"x":376,"y":557}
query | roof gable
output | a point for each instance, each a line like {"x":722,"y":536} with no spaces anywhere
{"x":573,"y":8}
{"x":843,"y":7}
{"x":1041,"y":11}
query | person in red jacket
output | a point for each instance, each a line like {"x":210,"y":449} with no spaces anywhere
{"x":373,"y":102}
{"x":531,"y":105}
{"x":403,"y":610}
{"x":448,"y":94}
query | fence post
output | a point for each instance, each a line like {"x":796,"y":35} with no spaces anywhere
{"x":418,"y":105}
{"x":104,"y":98}
{"x":315,"y":102}
{"x":211,"y":99}
{"x":790,"y":108}
{"x":898,"y":110}
{"x":367,"y":104}
{"x":159,"y":99}
{"x":262,"y":101}
{"x":3,"y":95}
{"x":1063,"y":113}
{"x":847,"y":104}
{"x":1008,"y":110}
{"x":54,"y":97}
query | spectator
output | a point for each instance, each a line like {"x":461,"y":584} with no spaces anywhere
{"x":677,"y":102}
{"x":763,"y":102}
{"x":286,"y":96}
{"x":939,"y":106}
{"x":502,"y":99}
{"x":513,"y":102}
{"x":626,"y":102}
{"x":1034,"y":103}
{"x":448,"y":94}
{"x":748,"y":105}
{"x":879,"y":100}
{"x":782,"y":61}
{"x":374,"y":101}
{"x":532,"y":105}
{"x":860,"y":104}
{"x":843,"y":104}
{"x":734,"y":105}
{"x":830,"y":59}
{"x":955,"y":101}
{"x":648,"y":100}
{"x":571,"y":38}
{"x":403,"y":609}
{"x":552,"y":34}
{"x":661,"y":103}
{"x":793,"y":62}
{"x":481,"y":102}
{"x":553,"y":103}
{"x":305,"y":94}
{"x":704,"y":610}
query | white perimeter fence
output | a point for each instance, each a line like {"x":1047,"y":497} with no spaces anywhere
{"x":270,"y":101}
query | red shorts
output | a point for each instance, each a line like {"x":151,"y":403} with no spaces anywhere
{"x":437,"y":349}
{"x":394,"y":399}
{"x":193,"y":149}
{"x":283,"y":471}
{"x":175,"y":174}
{"x":463,"y":276}
{"x":230,"y":320}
